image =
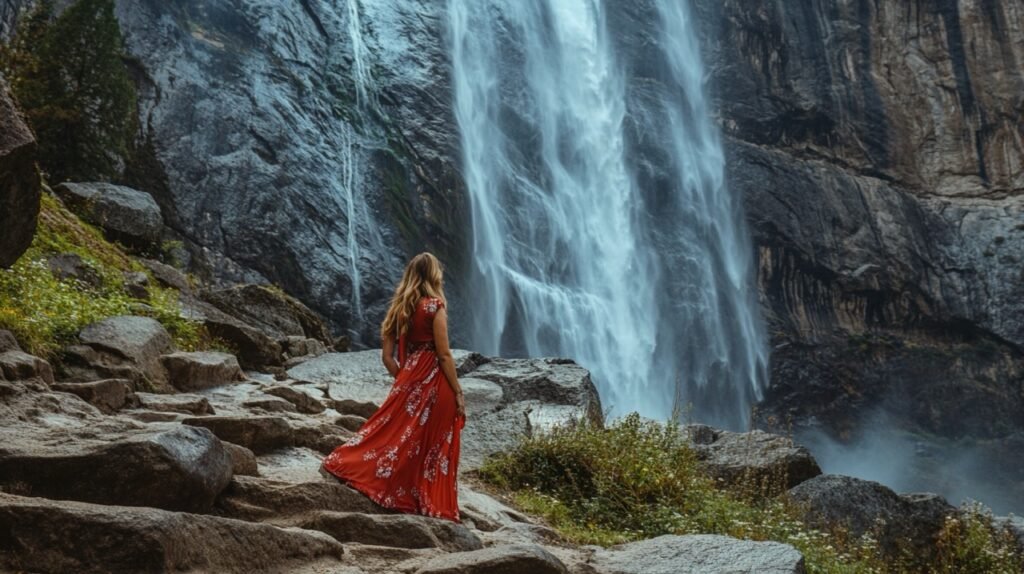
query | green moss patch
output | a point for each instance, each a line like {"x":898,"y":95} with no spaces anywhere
{"x":46,"y":312}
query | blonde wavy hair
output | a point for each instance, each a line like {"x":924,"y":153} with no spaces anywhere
{"x":423,"y":277}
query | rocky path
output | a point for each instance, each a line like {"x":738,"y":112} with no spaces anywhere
{"x":218,"y":470}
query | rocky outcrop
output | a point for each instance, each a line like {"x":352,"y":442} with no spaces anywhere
{"x":270,"y":311}
{"x":180,"y":469}
{"x":759,"y":459}
{"x":699,"y":554}
{"x":127,"y":215}
{"x":125,"y":347}
{"x":863,"y":506}
{"x":17,"y":365}
{"x":256,"y":350}
{"x":20,"y":188}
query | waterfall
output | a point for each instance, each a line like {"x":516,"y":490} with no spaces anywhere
{"x":352,"y":142}
{"x":650,"y":289}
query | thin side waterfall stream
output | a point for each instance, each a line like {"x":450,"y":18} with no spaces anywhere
{"x":580,"y":247}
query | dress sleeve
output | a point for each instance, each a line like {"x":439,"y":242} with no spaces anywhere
{"x":434,"y":304}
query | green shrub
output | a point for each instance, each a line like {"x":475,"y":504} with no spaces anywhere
{"x":971,"y":543}
{"x":637,"y":479}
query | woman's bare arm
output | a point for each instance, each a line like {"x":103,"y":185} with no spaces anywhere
{"x":444,"y":357}
{"x":388,"y":356}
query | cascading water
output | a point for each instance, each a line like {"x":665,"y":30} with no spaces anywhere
{"x":579,"y":251}
{"x":354,"y":139}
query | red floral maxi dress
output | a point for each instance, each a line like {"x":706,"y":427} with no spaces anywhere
{"x":407,"y":454}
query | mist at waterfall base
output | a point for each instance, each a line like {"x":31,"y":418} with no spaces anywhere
{"x":959,"y":470}
{"x":602,"y":229}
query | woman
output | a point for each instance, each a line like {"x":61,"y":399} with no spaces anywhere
{"x":406,"y":455}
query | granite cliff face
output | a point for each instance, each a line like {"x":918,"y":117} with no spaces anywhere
{"x":297,"y":142}
{"x":879,"y":150}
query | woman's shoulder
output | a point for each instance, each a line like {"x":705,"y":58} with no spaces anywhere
{"x":432,"y":304}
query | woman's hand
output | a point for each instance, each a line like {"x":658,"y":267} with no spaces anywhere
{"x":460,"y":405}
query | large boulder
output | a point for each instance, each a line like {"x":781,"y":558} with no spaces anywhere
{"x":549,"y":381}
{"x":764,"y":460}
{"x":17,"y":365}
{"x":863,"y":506}
{"x":501,"y":559}
{"x":270,"y":311}
{"x":255,"y":349}
{"x":122,"y":347}
{"x":20,"y":187}
{"x":699,"y":554}
{"x":180,"y":469}
{"x":201,"y":370}
{"x":49,"y":536}
{"x":128,"y":215}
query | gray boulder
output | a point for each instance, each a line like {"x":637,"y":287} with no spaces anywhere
{"x":772,"y":462}
{"x":257,"y":433}
{"x":396,"y":530}
{"x":201,"y":370}
{"x":255,"y":349}
{"x":20,"y":187}
{"x":863,"y":506}
{"x":699,"y":554}
{"x":502,"y":559}
{"x":126,"y":214}
{"x":17,"y":365}
{"x":271,"y":311}
{"x":108,"y":395}
{"x":124,"y":347}
{"x":549,"y":381}
{"x":180,"y":469}
{"x":60,"y":536}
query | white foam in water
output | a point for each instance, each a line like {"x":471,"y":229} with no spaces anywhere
{"x":570,"y":256}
